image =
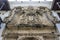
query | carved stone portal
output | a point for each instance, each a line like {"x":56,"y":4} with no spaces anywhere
{"x":30,"y":23}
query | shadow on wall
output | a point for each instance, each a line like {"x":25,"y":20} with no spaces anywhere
{"x":4,"y":5}
{"x":56,"y":5}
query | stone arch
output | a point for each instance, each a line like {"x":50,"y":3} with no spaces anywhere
{"x":29,"y":38}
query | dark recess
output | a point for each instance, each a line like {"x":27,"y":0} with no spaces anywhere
{"x":58,"y":14}
{"x":4,"y":5}
{"x":55,"y":6}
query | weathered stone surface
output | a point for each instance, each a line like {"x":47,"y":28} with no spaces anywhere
{"x":30,"y":23}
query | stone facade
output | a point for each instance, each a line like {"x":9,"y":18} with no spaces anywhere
{"x":30,"y":23}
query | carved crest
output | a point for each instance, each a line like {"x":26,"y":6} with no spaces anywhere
{"x":30,"y":16}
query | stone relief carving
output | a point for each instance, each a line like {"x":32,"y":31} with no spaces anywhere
{"x":26,"y":17}
{"x":30,"y":15}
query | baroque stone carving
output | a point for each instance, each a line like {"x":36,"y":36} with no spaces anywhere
{"x":29,"y":21}
{"x":30,"y":15}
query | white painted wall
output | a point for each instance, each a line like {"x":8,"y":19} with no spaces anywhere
{"x":43,"y":3}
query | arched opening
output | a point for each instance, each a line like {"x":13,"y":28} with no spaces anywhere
{"x":29,"y":38}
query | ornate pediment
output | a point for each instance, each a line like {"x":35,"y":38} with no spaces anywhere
{"x":30,"y":16}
